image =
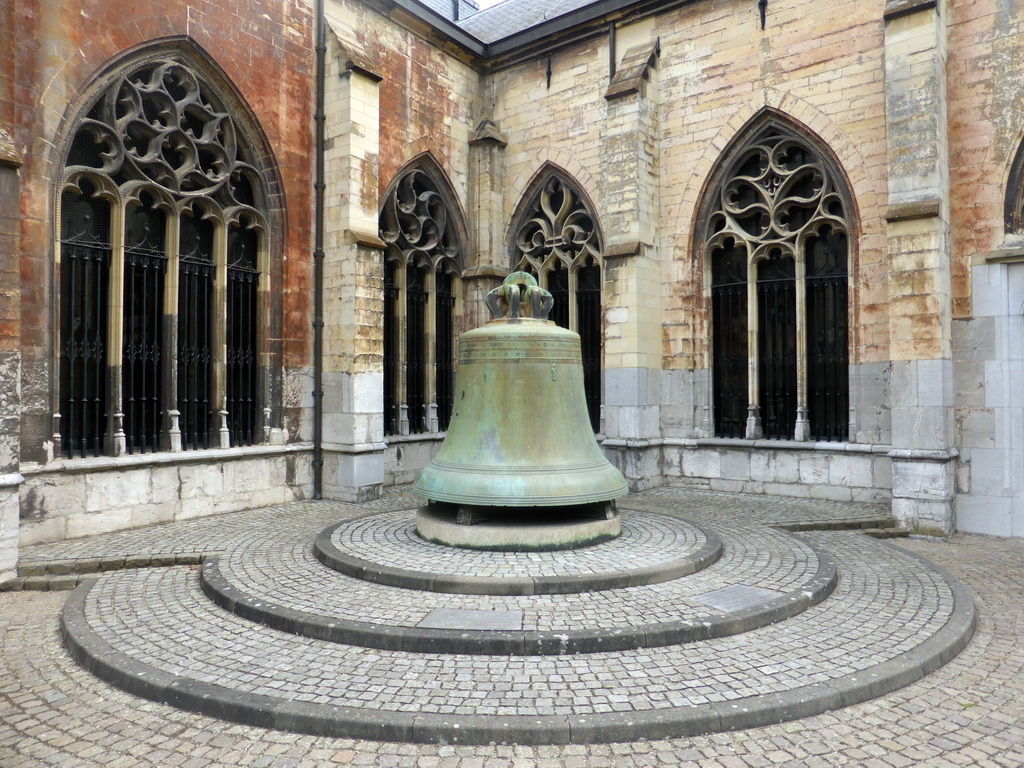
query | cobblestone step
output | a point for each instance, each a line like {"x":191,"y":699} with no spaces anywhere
{"x":386,"y":549}
{"x":892,"y":619}
{"x":278,"y":584}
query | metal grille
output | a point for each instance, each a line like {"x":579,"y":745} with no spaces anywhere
{"x":444,"y":308}
{"x":415,"y":348}
{"x":243,"y":284}
{"x":145,"y":266}
{"x":417,"y":222}
{"x":827,"y":355}
{"x":729,"y":331}
{"x":195,"y":319}
{"x":776,"y":308}
{"x":157,"y":131}
{"x":84,"y":274}
{"x":391,"y":413}
{"x":588,"y":320}
{"x":776,"y":193}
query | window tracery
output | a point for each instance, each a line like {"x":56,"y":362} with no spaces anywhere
{"x":557,"y":240}
{"x":777,"y":230}
{"x":421,"y":275}
{"x":187,"y":217}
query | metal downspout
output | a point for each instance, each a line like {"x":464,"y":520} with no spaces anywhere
{"x":318,"y":257}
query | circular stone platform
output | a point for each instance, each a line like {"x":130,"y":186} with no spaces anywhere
{"x":890,"y":620}
{"x":301,"y":598}
{"x":519,"y":531}
{"x":651,"y":548}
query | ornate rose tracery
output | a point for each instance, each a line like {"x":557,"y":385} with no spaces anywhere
{"x":159,"y":126}
{"x":779,"y":192}
{"x":557,"y":229}
{"x":416,"y":221}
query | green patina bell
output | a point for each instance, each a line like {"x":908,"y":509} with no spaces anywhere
{"x":520,"y":436}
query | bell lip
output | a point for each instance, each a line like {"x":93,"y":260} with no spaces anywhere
{"x":484,"y":498}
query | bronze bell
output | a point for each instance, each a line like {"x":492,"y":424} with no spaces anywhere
{"x":520,"y":436}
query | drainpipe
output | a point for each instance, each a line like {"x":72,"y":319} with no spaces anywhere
{"x":318,"y":258}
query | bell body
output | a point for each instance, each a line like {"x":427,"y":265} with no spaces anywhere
{"x":520,"y":435}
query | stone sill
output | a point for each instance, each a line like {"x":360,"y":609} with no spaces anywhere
{"x":422,"y":437}
{"x":778,"y":445}
{"x":1004,"y":255}
{"x":128,"y":462}
{"x":12,"y":480}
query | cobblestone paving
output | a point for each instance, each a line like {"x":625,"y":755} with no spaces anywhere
{"x":885,"y":604}
{"x":214,"y":534}
{"x":275,"y":564}
{"x":968,"y":713}
{"x":646,"y":539}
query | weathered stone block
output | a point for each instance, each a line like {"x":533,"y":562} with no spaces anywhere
{"x":735,"y":465}
{"x":813,"y":469}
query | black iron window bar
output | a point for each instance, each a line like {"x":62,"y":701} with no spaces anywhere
{"x":85,"y":254}
{"x":165,"y":153}
{"x":779,"y":210}
{"x":425,"y":255}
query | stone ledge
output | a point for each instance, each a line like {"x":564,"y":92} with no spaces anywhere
{"x":780,"y":445}
{"x":916,"y":209}
{"x":634,"y":69}
{"x":128,"y":462}
{"x":366,"y":239}
{"x":919,"y":454}
{"x":894,"y":9}
{"x":624,"y":250}
{"x":11,"y":480}
{"x":481,"y":273}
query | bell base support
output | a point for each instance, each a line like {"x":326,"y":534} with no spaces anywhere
{"x":518,"y":529}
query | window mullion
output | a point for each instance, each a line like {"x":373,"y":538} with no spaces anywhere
{"x":218,"y":387}
{"x":802,"y":430}
{"x":172,"y":424}
{"x":117,"y":444}
{"x":401,"y":387}
{"x":430,"y":350}
{"x":754,"y":430}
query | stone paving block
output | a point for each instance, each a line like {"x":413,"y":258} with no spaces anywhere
{"x":976,"y":701}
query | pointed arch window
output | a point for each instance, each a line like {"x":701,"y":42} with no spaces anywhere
{"x":162,"y":233}
{"x":422,"y":268}
{"x":776,"y":245}
{"x":556,"y":239}
{"x":1014,"y":205}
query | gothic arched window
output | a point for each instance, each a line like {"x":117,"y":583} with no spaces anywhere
{"x":776,"y":242}
{"x":162,"y":234}
{"x":422,"y":268}
{"x":557,"y":240}
{"x":1014,"y":206}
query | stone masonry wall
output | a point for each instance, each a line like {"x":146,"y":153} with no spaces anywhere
{"x":263,"y":49}
{"x":986,"y":105}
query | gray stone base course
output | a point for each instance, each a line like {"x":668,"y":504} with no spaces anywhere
{"x":892,"y":619}
{"x":519,"y":643}
{"x":481,"y":572}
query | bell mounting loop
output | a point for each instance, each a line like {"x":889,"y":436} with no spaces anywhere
{"x":519,"y":296}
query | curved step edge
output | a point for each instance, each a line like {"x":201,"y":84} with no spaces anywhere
{"x":365,"y":570}
{"x":96,"y":655}
{"x":516,"y":643}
